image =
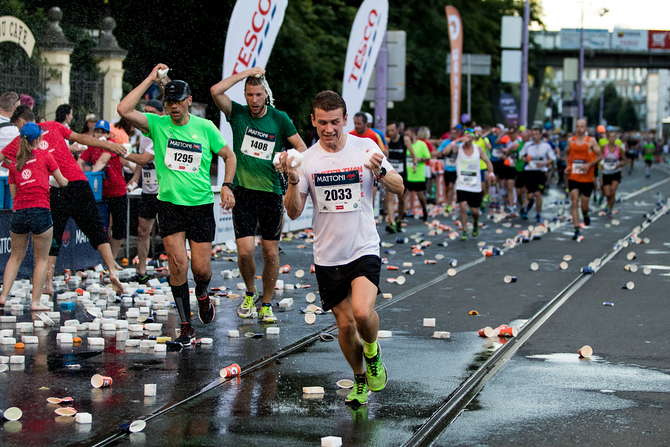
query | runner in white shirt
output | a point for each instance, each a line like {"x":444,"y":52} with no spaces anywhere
{"x":468,"y":179}
{"x":148,"y":205}
{"x":339,"y":174}
{"x":9,"y":101}
{"x":538,"y":156}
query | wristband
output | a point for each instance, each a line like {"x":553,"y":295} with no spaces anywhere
{"x":291,"y":183}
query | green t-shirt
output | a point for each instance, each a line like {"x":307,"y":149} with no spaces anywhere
{"x":255,"y":141}
{"x":421,"y":151}
{"x":481,"y":143}
{"x":183,"y":156}
{"x":519,"y":161}
{"x":648,"y":149}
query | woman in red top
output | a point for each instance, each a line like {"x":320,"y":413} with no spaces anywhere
{"x":29,"y":187}
{"x":113,"y":185}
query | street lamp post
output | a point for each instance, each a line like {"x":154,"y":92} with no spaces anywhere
{"x":524,"y":66}
{"x":580,"y":72}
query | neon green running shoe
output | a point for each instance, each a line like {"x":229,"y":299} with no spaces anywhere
{"x":475,"y":231}
{"x":376,"y":371}
{"x":360,"y":391}
{"x":246,"y":309}
{"x":464,"y":236}
{"x":266,"y":314}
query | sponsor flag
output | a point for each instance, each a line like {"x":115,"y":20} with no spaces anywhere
{"x":365,"y":40}
{"x":252,"y":32}
{"x":455,"y":25}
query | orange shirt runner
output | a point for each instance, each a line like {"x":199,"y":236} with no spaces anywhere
{"x":580,"y":155}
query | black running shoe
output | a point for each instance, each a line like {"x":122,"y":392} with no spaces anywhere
{"x":206,"y":310}
{"x":139,"y":278}
{"x":587,"y":220}
{"x":187,"y":335}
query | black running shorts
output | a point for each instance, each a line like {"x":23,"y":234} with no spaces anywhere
{"x":196,"y":221}
{"x":335,"y":282}
{"x":258,"y":210}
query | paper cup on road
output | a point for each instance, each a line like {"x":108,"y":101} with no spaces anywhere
{"x":429,"y":322}
{"x":137,"y":426}
{"x":400,"y":280}
{"x":647,"y":270}
{"x":345,"y":384}
{"x":534,"y":266}
{"x":99,"y":381}
{"x":310,"y":297}
{"x":310,"y":318}
{"x":230,"y":371}
{"x":630,"y":285}
{"x":567,"y":258}
{"x":487,"y":332}
{"x":285,"y":269}
{"x":299,"y":273}
{"x":451,"y":272}
{"x":150,"y":389}
{"x":83,"y":418}
{"x":65,"y":411}
{"x":631,"y":255}
{"x":508,"y":332}
{"x":585,"y":352}
{"x":13,"y":414}
{"x":509,"y":279}
{"x":563,"y":265}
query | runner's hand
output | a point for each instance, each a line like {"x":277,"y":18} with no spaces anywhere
{"x":227,"y":199}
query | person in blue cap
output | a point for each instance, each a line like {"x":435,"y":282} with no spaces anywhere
{"x":29,"y":187}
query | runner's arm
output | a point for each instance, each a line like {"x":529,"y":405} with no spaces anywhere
{"x":92,"y":141}
{"x":408,"y":145}
{"x":297,"y":143}
{"x":227,"y":197}
{"x":102,"y":162}
{"x":127,"y":105}
{"x":218,"y":91}
{"x":294,"y":200}
{"x":140,"y":159}
{"x":487,"y":160}
{"x":60,"y":179}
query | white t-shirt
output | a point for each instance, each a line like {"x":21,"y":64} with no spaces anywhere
{"x":7,"y":132}
{"x":468,"y":177}
{"x":149,"y":179}
{"x":538,"y":152}
{"x":341,"y":190}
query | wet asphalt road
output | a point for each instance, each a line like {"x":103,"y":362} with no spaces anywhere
{"x":544,"y":395}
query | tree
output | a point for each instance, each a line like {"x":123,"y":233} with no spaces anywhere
{"x":627,"y":117}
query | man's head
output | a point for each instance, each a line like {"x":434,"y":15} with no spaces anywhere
{"x":9,"y":101}
{"x":580,"y":128}
{"x":177,"y":100}
{"x":536,"y":134}
{"x":329,"y":116}
{"x":360,"y":121}
{"x":101,"y":129}
{"x":455,"y":133}
{"x":22,"y":115}
{"x":392,"y":131}
{"x":525,"y":135}
{"x":64,"y":114}
{"x":255,"y":95}
{"x":411,"y":133}
{"x":154,"y":106}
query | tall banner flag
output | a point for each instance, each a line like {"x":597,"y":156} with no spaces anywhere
{"x":456,"y":41}
{"x":365,"y":40}
{"x":252,"y":31}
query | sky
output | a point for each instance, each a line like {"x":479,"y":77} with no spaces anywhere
{"x":630,"y":14}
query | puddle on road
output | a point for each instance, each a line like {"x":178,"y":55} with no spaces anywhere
{"x":545,"y":387}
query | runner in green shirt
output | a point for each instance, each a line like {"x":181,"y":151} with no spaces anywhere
{"x":184,"y":145}
{"x":259,"y":132}
{"x":648,"y":150}
{"x":416,"y":177}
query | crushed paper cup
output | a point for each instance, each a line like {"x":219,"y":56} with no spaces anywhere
{"x":310,"y":318}
{"x":83,"y":418}
{"x":299,"y":273}
{"x":331,"y":441}
{"x":313,"y":390}
{"x":384,"y":334}
{"x":441,"y":334}
{"x":162,"y":72}
{"x":567,"y":258}
{"x":387,"y":295}
{"x":585,"y":352}
{"x":150,"y":389}
{"x":429,"y":322}
{"x":272,"y":331}
{"x":310,"y":297}
{"x":297,"y":157}
{"x":345,"y":384}
{"x":233,"y":333}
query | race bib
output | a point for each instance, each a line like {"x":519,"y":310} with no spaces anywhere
{"x":579,"y":166}
{"x":149,"y":174}
{"x":258,"y":144}
{"x":532,"y":165}
{"x":183,"y":156}
{"x":338,"y":192}
{"x":450,"y":160}
{"x":469,"y":178}
{"x":497,"y":153}
{"x":398,"y":166}
{"x":610,"y":165}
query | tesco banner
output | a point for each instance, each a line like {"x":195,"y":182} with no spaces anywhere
{"x":659,"y":40}
{"x":629,"y":39}
{"x":253,"y":29}
{"x":365,"y":40}
{"x":455,"y":25}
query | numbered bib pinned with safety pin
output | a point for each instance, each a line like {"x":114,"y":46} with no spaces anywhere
{"x":258,"y":144}
{"x":183,"y":156}
{"x":338,"y":192}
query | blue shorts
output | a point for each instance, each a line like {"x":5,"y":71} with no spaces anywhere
{"x":31,"y":220}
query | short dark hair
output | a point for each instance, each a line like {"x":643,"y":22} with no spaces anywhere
{"x":252,"y":80}
{"x":23,"y":112}
{"x":362,"y":116}
{"x":327,"y":101}
{"x":7,"y":100}
{"x":395,"y":123}
{"x":62,"y":111}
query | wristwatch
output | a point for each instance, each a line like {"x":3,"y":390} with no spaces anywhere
{"x":228,"y":184}
{"x":382,"y":173}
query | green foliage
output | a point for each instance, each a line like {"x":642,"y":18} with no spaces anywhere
{"x":627,"y":117}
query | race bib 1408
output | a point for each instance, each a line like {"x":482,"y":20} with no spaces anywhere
{"x":258,"y":144}
{"x":338,"y":192}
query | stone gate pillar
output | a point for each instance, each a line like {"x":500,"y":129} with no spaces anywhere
{"x":111,"y":58}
